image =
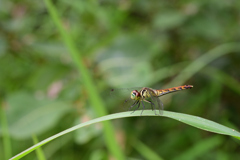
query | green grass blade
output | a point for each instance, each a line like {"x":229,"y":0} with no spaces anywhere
{"x":5,"y":134}
{"x":223,"y":77}
{"x":202,"y":123}
{"x":199,"y":149}
{"x":165,"y":72}
{"x":194,"y":121}
{"x":39,"y":150}
{"x":145,"y":151}
{"x":202,"y":61}
{"x":93,"y":95}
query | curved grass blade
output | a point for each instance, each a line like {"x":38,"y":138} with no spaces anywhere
{"x":222,"y":77}
{"x":194,"y":121}
{"x":204,"y":60}
{"x":39,"y":151}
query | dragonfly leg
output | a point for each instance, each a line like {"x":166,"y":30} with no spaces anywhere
{"x":152,"y":104}
{"x":137,"y":107}
{"x":143,"y":107}
{"x":136,"y":102}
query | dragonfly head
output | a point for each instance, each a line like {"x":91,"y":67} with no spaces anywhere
{"x":135,"y":95}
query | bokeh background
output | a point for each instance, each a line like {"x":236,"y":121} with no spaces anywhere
{"x":141,"y":43}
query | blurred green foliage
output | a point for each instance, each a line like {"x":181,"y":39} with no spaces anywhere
{"x":124,"y":44}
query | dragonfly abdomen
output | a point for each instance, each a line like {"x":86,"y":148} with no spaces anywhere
{"x":161,"y":92}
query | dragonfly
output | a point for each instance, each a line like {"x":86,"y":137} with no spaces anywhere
{"x":149,"y":96}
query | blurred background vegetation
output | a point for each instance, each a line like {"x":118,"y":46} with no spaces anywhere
{"x":123,"y":44}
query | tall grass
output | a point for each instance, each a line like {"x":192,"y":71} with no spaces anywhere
{"x":88,"y":83}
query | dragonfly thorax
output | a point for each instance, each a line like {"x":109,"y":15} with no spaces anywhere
{"x":147,"y":93}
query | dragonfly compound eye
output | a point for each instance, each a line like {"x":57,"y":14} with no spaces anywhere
{"x":133,"y":95}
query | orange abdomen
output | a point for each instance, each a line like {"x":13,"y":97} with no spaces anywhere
{"x":161,"y":92}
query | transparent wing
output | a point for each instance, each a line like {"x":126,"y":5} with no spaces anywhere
{"x":156,"y":103}
{"x":123,"y":97}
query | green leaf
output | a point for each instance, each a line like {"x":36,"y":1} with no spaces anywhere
{"x":169,"y":19}
{"x":195,"y":121}
{"x":27,"y":115}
